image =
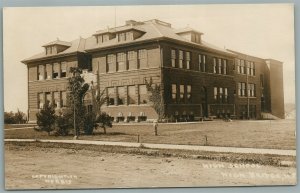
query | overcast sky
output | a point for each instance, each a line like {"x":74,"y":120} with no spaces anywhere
{"x":266,"y":31}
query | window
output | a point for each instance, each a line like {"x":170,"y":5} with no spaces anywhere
{"x":121,"y":95}
{"x":202,"y":63}
{"x":225,"y":94}
{"x":251,"y":69}
{"x":242,"y":89}
{"x":48,"y":71}
{"x":63,"y":99}
{"x":55,"y":73}
{"x":41,"y":101}
{"x":220,"y":65}
{"x":215,"y":65}
{"x":111,"y":60}
{"x":189,"y":93}
{"x":48,"y":50}
{"x":143,"y":96}
{"x":262,"y":80}
{"x":41,"y":72}
{"x":63,"y":73}
{"x":131,"y":95}
{"x":215,"y":93}
{"x":251,"y":90}
{"x":242,"y":67}
{"x":129,"y":36}
{"x":188,"y":60}
{"x":181,"y":93}
{"x":132,"y":60}
{"x":121,"y":37}
{"x":224,"y":66}
{"x":121,"y":62}
{"x":238,"y":66}
{"x":173,"y":58}
{"x":111,"y":96}
{"x":174,"y":93}
{"x":56,"y":99}
{"x":49,"y":98}
{"x":221,"y":94}
{"x":142,"y":55}
{"x":99,"y":39}
{"x":180,"y":59}
{"x":105,"y":38}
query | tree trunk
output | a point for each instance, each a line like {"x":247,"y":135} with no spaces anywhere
{"x":104,"y":130}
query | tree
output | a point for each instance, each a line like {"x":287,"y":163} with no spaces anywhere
{"x":156,"y":98}
{"x":20,"y":117}
{"x":77,"y":89}
{"x":103,"y":120}
{"x":14,"y":118}
{"x":63,"y":124}
{"x":46,"y":118}
{"x":9,"y":118}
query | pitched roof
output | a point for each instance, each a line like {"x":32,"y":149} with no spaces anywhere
{"x":186,"y":29}
{"x":58,"y":42}
{"x":73,"y":47}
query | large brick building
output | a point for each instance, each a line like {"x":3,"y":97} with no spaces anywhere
{"x":197,"y":79}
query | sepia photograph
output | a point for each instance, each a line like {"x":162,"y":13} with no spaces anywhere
{"x":149,"y":96}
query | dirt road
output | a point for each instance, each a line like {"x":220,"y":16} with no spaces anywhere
{"x":67,"y":168}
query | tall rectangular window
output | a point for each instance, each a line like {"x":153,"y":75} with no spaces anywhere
{"x":63,"y":99}
{"x":49,"y":98}
{"x":238,"y":66}
{"x":56,"y":99}
{"x":189,"y":93}
{"x":215,"y":93}
{"x":242,"y":89}
{"x":129,"y":36}
{"x":174,"y":93}
{"x":181,"y":93}
{"x":121,"y":61}
{"x":41,"y":101}
{"x":203,"y":64}
{"x":56,"y":69}
{"x":224,"y":66}
{"x":142,"y":56}
{"x":220,"y":66}
{"x":105,"y":38}
{"x":188,"y":60}
{"x":242,"y":67}
{"x":131,"y":95}
{"x":63,"y":73}
{"x":262,"y":80}
{"x":251,"y":90}
{"x":111,"y":95}
{"x":111,"y":63}
{"x":180,"y":59}
{"x":225,"y":94}
{"x":215,"y":65}
{"x":121,"y":95}
{"x":41,"y":72}
{"x":200,"y":62}
{"x":143,"y":94}
{"x":132,"y":60}
{"x":121,"y":37}
{"x":48,"y":71}
{"x":173,"y":58}
{"x":221,"y":94}
{"x":251,"y":69}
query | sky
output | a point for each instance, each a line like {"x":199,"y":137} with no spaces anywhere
{"x":262,"y":30}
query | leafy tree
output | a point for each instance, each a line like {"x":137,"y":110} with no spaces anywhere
{"x":20,"y":117}
{"x":14,"y":118}
{"x":62,"y":124}
{"x":9,"y":117}
{"x":77,"y":89}
{"x":103,"y":120}
{"x":156,"y":98}
{"x":46,"y":118}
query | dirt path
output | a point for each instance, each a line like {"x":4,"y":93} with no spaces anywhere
{"x":68,"y":168}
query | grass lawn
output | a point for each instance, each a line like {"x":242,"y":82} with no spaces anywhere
{"x":277,"y":134}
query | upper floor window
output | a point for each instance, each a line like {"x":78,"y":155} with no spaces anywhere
{"x":63,"y":99}
{"x":181,"y":93}
{"x":188,"y":60}
{"x":111,"y":60}
{"x":221,"y":94}
{"x":48,"y":71}
{"x":189,"y":93}
{"x":56,"y":69}
{"x":121,"y":61}
{"x":173,"y":58}
{"x":202,"y":63}
{"x":262,"y":80}
{"x":63,"y":70}
{"x":215,"y":93}
{"x":132,"y":60}
{"x":48,"y":50}
{"x":215,"y":65}
{"x":220,"y":66}
{"x":49,"y":98}
{"x":41,"y":72}
{"x":251,"y":69}
{"x":224,"y":66}
{"x":41,"y":100}
{"x":121,"y":37}
{"x":225,"y":94}
{"x":142,"y":56}
{"x":242,"y":67}
{"x":180,"y":59}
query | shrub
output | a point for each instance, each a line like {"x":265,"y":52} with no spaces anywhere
{"x":103,"y":120}
{"x":62,"y":124}
{"x":46,"y":118}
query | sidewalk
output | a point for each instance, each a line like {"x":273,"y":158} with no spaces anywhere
{"x":169,"y":146}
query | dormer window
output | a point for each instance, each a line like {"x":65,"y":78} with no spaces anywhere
{"x":125,"y":36}
{"x":190,"y":34}
{"x":102,"y":38}
{"x":56,"y":47}
{"x":48,"y":50}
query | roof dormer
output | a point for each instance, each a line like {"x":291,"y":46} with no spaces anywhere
{"x":190,"y":34}
{"x":56,"y":47}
